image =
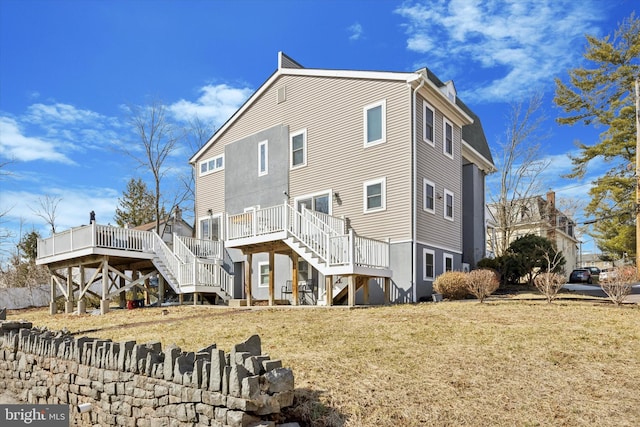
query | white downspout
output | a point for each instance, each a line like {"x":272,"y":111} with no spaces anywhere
{"x":414,"y":172}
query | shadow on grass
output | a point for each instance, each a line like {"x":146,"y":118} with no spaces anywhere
{"x":307,"y":410}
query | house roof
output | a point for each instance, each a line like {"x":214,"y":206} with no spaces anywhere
{"x":151,"y":225}
{"x":472,"y":132}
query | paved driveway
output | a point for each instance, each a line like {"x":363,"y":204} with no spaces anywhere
{"x":596,"y":291}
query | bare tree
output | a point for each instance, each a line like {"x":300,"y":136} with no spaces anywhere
{"x":47,"y":207}
{"x":620,"y":283}
{"x":520,"y":163}
{"x":158,"y":138}
{"x":482,"y":283}
{"x":549,"y":283}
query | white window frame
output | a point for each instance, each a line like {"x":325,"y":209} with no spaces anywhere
{"x":446,"y":122}
{"x":426,"y":182}
{"x":426,"y":252}
{"x":263,"y":169}
{"x":453,"y":205}
{"x":260,"y":275}
{"x":383,"y":120}
{"x":383,"y":195}
{"x":302,"y":132}
{"x":209,"y":169}
{"x":208,"y":219}
{"x":425,"y":107}
{"x":313,"y":196}
{"x":445,"y":257}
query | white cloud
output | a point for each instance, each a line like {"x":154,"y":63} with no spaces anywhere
{"x":517,"y":40}
{"x":355,"y":31}
{"x":15,"y":145}
{"x":42,"y":113}
{"x":216,"y":104}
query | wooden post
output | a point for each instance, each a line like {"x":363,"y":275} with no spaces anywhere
{"x":122,"y":296}
{"x":328,"y":283}
{"x":180,"y":299}
{"x":365,"y":289}
{"x":68,"y":305}
{"x":160,"y":289}
{"x":52,"y":305}
{"x":247,"y":278}
{"x":294,"y":279}
{"x":387,"y":290}
{"x":195,"y":298}
{"x":271,"y":277}
{"x":82,"y":306}
{"x":351,"y":291}
{"x":104,"y":302}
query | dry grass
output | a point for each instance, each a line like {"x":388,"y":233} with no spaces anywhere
{"x":502,"y":363}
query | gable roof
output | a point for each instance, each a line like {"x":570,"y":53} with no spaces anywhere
{"x":472,"y":131}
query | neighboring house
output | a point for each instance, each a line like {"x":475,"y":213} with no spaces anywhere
{"x":170,"y":226}
{"x":539,"y":216}
{"x":362,"y":185}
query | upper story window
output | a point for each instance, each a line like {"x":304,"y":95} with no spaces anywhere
{"x":298,"y":148}
{"x":428,"y":127}
{"x":447,"y":143}
{"x":375,"y":123}
{"x":211,"y":165}
{"x":263,"y":158}
{"x":448,"y":205}
{"x":429,"y":196}
{"x":428,"y":264}
{"x":375,"y":195}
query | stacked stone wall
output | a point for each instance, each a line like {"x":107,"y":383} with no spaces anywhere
{"x":131,"y":384}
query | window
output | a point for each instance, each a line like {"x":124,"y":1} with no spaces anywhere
{"x":448,"y":204}
{"x":447,"y":147}
{"x":374,"y":195}
{"x":210,"y":227}
{"x":427,"y":128}
{"x":429,"y":201}
{"x":428,"y":257}
{"x":212,"y":165}
{"x":298,"y":143}
{"x":263,"y":158}
{"x":448,"y":262}
{"x":316,"y":202}
{"x":375,"y":127}
{"x":264,"y":274}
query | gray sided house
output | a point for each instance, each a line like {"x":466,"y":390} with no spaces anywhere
{"x":332,"y":186}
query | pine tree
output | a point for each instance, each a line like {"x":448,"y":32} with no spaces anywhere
{"x":137,"y":205}
{"x":602,"y":94}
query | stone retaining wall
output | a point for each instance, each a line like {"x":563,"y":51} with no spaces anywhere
{"x":130,"y":384}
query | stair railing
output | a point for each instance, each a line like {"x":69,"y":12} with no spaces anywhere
{"x":166,"y":255}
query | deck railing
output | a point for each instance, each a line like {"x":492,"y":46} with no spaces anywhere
{"x":318,"y":232}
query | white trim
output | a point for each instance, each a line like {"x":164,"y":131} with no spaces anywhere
{"x":206,"y":162}
{"x":383,"y":123}
{"x":431,"y":252}
{"x":351,"y":74}
{"x":443,"y":248}
{"x":426,"y":182}
{"x":328,"y":193}
{"x":425,"y":106}
{"x":453,"y":205}
{"x":302,"y":132}
{"x":260,"y":265}
{"x":446,"y":256}
{"x":383,"y":195}
{"x":446,"y":122}
{"x":264,"y":144}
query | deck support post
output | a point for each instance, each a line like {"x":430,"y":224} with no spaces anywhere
{"x":82,"y":304}
{"x":104,"y":302}
{"x":365,"y":289}
{"x":52,"y":305}
{"x":122,"y":296}
{"x":247,"y":278}
{"x":160,"y":290}
{"x":352,"y":291}
{"x":328,"y":284}
{"x":68,"y":304}
{"x":387,"y":290}
{"x":271,"y":278}
{"x":294,"y":278}
{"x":195,"y":298}
{"x":181,"y":299}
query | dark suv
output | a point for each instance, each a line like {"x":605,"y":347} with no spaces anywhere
{"x":581,"y":275}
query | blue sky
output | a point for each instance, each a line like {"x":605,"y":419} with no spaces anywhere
{"x":68,"y":69}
